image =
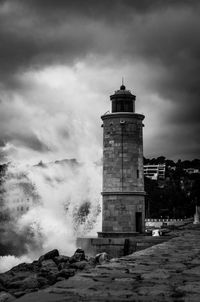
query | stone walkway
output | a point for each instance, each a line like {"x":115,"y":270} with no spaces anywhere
{"x":166,"y":272}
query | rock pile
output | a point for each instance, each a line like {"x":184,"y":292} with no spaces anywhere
{"x":47,"y":270}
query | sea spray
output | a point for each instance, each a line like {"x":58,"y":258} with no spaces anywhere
{"x":63,"y":200}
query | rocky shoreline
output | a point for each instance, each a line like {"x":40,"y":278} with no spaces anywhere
{"x":44,"y":272}
{"x":169,"y":271}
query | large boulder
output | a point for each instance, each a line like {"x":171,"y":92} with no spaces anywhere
{"x":42,"y":281}
{"x":17,"y":278}
{"x":50,"y":255}
{"x":61,"y":259}
{"x":64,"y":265}
{"x":49,"y":265}
{"x":26,"y":283}
{"x":79,"y":265}
{"x":79,"y":255}
{"x":25,"y":267}
{"x":49,"y":270}
{"x":30,"y":282}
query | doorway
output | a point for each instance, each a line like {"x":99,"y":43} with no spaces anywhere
{"x":138,"y":218}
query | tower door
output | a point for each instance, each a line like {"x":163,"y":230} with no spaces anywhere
{"x":138,"y":219}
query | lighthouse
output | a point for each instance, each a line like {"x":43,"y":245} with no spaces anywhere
{"x":123,"y":196}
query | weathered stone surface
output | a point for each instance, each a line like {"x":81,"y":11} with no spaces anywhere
{"x":92,"y":261}
{"x":123,"y":181}
{"x":64,"y":265}
{"x":43,"y":282}
{"x":66,"y":273}
{"x":79,"y":265}
{"x":2,"y":288}
{"x":190,"y":287}
{"x":61,"y":259}
{"x":48,"y":265}
{"x":165,"y":272}
{"x":28,"y":282}
{"x":6,"y":297}
{"x":25,"y":267}
{"x":50,"y":255}
{"x":79,"y":255}
{"x":10,"y":277}
{"x":27,"y":277}
{"x":49,"y":270}
{"x":156,"y":274}
{"x":193,"y":271}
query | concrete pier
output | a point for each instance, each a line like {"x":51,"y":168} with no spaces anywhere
{"x":118,"y":247}
{"x":168,"y":272}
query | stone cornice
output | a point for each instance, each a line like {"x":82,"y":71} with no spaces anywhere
{"x":122,"y":114}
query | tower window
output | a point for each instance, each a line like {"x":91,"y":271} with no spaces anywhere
{"x":138,"y":174}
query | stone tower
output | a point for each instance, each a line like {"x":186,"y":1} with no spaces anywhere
{"x":123,"y":181}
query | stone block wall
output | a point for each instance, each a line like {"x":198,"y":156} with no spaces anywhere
{"x":119,"y":212}
{"x":123,"y":153}
{"x":123,"y":180}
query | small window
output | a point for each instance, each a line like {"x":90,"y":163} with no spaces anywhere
{"x":138,"y":174}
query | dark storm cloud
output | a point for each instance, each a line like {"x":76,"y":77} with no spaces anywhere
{"x":110,"y":9}
{"x":30,"y":141}
{"x":33,"y":32}
{"x":2,"y":143}
{"x":164,"y":35}
{"x":30,"y":41}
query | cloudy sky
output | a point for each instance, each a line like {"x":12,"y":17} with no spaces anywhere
{"x":60,"y":60}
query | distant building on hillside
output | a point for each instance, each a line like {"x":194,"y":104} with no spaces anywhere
{"x":18,"y":197}
{"x":155,"y":172}
{"x":18,"y":201}
{"x":21,"y":203}
{"x":192,"y":171}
